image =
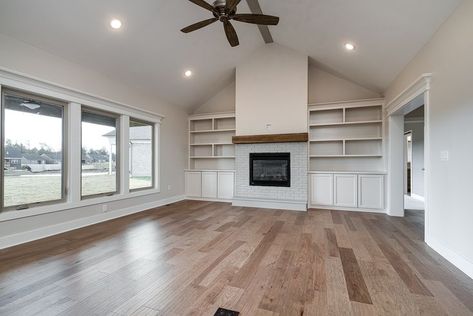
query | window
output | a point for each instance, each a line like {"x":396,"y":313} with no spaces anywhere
{"x":141,"y":157}
{"x":99,"y":153}
{"x":33,"y":147}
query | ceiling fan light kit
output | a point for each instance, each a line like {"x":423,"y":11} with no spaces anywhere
{"x":225,"y":11}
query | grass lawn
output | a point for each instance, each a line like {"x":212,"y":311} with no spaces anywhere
{"x":29,"y":189}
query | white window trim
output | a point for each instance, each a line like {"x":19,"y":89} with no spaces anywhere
{"x":75,"y":99}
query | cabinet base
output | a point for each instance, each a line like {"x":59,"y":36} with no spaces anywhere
{"x":271,"y":204}
{"x":348,"y":209}
{"x":208,"y":199}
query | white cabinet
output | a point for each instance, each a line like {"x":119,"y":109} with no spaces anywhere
{"x":350,"y":191}
{"x":371,"y":191}
{"x":225,"y":185}
{"x":209,"y":184}
{"x":321,"y":187}
{"x":214,"y":185}
{"x":345,"y":190}
{"x":194,"y":184}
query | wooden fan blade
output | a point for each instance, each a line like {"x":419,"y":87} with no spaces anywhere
{"x":232,"y":4}
{"x":260,"y":19}
{"x":231,"y":34}
{"x":198,"y":25}
{"x":203,"y":4}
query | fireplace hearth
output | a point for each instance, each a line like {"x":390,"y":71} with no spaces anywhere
{"x":270,"y":169}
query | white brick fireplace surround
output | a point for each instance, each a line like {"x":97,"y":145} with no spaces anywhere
{"x":290,"y":198}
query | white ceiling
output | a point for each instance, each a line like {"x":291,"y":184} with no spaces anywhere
{"x":151,"y":53}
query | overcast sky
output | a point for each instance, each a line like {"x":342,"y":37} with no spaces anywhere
{"x":31,"y":130}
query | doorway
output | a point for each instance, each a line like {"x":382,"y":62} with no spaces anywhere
{"x":407,"y":162}
{"x":414,"y":97}
{"x":414,"y":125}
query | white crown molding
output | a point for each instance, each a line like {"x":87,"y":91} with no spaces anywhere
{"x":17,"y":80}
{"x":348,"y":103}
{"x":421,"y":85}
{"x":202,"y":116}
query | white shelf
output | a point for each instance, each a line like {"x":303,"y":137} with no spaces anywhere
{"x":344,"y":139}
{"x":346,"y":156}
{"x":347,"y":172}
{"x":346,"y":123}
{"x":213,"y":131}
{"x":210,"y":144}
{"x":212,"y":157}
{"x":346,"y":136}
{"x":210,"y":141}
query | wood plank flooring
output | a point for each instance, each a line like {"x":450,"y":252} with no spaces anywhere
{"x":190,"y":258}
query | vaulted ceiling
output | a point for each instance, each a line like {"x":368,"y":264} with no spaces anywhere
{"x":151,"y":53}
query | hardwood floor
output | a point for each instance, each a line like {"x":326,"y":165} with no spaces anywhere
{"x":192,"y":257}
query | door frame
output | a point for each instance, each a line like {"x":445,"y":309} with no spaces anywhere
{"x":405,"y":102}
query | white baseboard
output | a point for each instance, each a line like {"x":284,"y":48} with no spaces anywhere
{"x":270,"y":204}
{"x":454,"y":258}
{"x":208,"y":200}
{"x":24,"y":237}
{"x":348,"y":209}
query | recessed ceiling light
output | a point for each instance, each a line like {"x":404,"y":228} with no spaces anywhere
{"x":349,"y":46}
{"x":188,"y":73}
{"x":116,"y":24}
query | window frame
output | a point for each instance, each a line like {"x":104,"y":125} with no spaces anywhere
{"x":116,"y":116}
{"x":64,"y":152}
{"x":153,"y":154}
{"x":74,"y":100}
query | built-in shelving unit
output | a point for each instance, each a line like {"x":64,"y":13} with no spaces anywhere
{"x":346,"y":136}
{"x":210,"y":142}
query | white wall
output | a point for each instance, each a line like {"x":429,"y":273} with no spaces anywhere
{"x":271,"y":88}
{"x":20,"y":57}
{"x":417,"y":128}
{"x":449,"y":57}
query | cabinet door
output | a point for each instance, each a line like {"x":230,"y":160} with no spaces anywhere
{"x":346,"y":190}
{"x":194,"y":184}
{"x":321,"y":189}
{"x":225,"y":185}
{"x":371,"y":191}
{"x":209,"y":184}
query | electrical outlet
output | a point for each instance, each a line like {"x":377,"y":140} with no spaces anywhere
{"x":444,"y":155}
{"x":169,"y":187}
{"x":268,"y":126}
{"x":104,"y":208}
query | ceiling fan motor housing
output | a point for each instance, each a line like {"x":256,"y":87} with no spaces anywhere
{"x":220,"y":3}
{"x":221,"y":11}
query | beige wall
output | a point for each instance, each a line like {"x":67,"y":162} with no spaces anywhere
{"x":449,"y":57}
{"x":326,"y":87}
{"x":322,"y":87}
{"x":223,"y":101}
{"x":39,"y":64}
{"x":271,"y":88}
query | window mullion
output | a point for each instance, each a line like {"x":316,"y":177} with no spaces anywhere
{"x":156,"y":151}
{"x":74,"y":152}
{"x":124,"y":160}
{"x":1,"y":149}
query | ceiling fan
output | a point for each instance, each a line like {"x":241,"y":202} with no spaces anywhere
{"x":224,"y":11}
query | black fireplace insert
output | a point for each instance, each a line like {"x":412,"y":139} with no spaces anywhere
{"x":270,"y":169}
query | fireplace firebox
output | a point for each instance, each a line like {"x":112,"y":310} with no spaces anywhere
{"x":270,"y":169}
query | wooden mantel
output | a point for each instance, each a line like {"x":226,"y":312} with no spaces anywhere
{"x":271,"y":138}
